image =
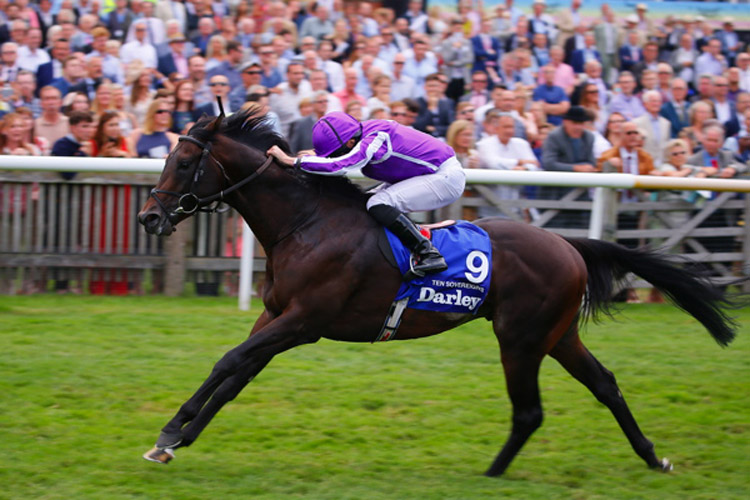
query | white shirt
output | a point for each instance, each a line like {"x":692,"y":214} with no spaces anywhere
{"x":495,"y":155}
{"x":138,"y":50}
{"x":402,"y":88}
{"x":31,"y":60}
{"x":335,"y":73}
{"x":745,"y":79}
{"x":286,"y":104}
{"x":723,"y":111}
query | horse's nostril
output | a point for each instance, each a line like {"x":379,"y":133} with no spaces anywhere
{"x":148,"y":220}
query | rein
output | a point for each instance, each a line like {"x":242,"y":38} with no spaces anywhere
{"x":189,"y":202}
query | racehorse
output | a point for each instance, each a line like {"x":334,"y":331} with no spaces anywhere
{"x":327,"y":277}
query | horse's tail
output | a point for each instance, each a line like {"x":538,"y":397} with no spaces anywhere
{"x":608,"y":264}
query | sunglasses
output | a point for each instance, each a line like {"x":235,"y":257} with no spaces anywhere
{"x":631,"y":132}
{"x":398,"y":114}
{"x":218,"y":84}
{"x":253,"y":72}
{"x":161,"y":111}
{"x":678,"y":153}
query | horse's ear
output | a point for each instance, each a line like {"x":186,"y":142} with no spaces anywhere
{"x":221,"y":106}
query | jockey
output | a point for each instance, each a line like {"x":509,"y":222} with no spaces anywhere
{"x":420,"y":172}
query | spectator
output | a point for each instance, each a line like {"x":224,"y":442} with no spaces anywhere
{"x":743,"y":64}
{"x":730,"y":41}
{"x":435,"y":110}
{"x":590,"y":102}
{"x":141,"y":95}
{"x":502,"y":151}
{"x":711,"y":154}
{"x":333,"y":70}
{"x":220,"y":88}
{"x":381,"y":87}
{"x":155,"y":140}
{"x":197,"y":76}
{"x":676,"y":110}
{"x":102,"y":99}
{"x":206,"y":29}
{"x":570,"y":147}
{"x":525,"y":116}
{"x":554,"y":98}
{"x":300,"y":131}
{"x":398,"y":113}
{"x":460,"y":137}
{"x":630,"y":53}
{"x":683,"y":59}
{"x":9,"y":56}
{"x":216,"y":52}
{"x":174,"y":61}
{"x":588,"y":53}
{"x":318,"y":25}
{"x":119,"y":19}
{"x":250,"y":75}
{"x":711,"y":62}
{"x":128,"y":122}
{"x":76,"y":101}
{"x":699,"y":114}
{"x":457,"y":54}
{"x":13,"y":137}
{"x":478,"y":96}
{"x":31,"y":55}
{"x":723,"y":108}
{"x":51,"y":125}
{"x":657,"y":128}
{"x":23,"y":93}
{"x":738,"y":123}
{"x":613,"y":133}
{"x":740,"y":144}
{"x":592,"y":74}
{"x":486,"y":49}
{"x":77,"y":141}
{"x":564,"y":75}
{"x":539,"y":50}
{"x":286,"y":96}
{"x":349,"y":93}
{"x":108,"y":140}
{"x":231,"y":64}
{"x":650,"y":60}
{"x":416,"y":18}
{"x":733,"y":78}
{"x":185,"y":114}
{"x":420,"y":64}
{"x":625,"y":102}
{"x":140,"y":48}
{"x":567,"y":20}
{"x":402,"y":85}
{"x":29,"y":133}
{"x":705,"y":89}
{"x":541,"y":22}
{"x":607,"y":36}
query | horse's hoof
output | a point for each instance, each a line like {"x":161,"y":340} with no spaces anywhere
{"x":159,"y":455}
{"x":665,"y":465}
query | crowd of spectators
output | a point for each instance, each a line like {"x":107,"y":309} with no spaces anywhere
{"x":507,"y":88}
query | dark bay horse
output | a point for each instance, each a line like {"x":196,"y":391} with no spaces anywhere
{"x":326,"y":277}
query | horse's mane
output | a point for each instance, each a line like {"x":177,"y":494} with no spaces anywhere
{"x":256,"y":131}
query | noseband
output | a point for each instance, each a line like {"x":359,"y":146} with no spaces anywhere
{"x":189,"y":202}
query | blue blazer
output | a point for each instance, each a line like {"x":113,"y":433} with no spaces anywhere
{"x":732,"y":126}
{"x":481,"y":56}
{"x":577,"y":60}
{"x":669,"y":112}
{"x":43,"y":75}
{"x":626,"y":58}
{"x":166,"y":65}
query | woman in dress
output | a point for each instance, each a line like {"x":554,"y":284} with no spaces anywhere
{"x":128,"y":122}
{"x":141,"y":95}
{"x":590,"y":102}
{"x":13,"y":137}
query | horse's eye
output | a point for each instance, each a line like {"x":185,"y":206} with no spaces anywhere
{"x":184,"y":164}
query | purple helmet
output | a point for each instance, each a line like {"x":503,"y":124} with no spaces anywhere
{"x":331,"y":133}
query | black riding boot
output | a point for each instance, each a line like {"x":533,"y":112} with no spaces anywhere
{"x":428,"y":257}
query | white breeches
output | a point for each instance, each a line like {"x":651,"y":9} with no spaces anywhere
{"x":424,"y":192}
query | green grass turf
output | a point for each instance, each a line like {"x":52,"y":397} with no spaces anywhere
{"x":87,"y":382}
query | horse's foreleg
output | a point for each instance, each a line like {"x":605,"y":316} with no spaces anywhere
{"x":521,"y":376}
{"x":228,"y":377}
{"x":579,"y":362}
{"x":171,"y":434}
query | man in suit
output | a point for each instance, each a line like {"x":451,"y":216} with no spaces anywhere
{"x":570,"y":147}
{"x":435,"y":110}
{"x":73,"y":73}
{"x":657,"y":129}
{"x":713,"y":156}
{"x":457,"y":56}
{"x":580,"y":57}
{"x":300,"y":131}
{"x":676,"y":110}
{"x":630,"y":53}
{"x":567,"y":20}
{"x":737,"y":125}
{"x":174,"y":61}
{"x":52,"y":70}
{"x":486,"y":49}
{"x":723,"y":107}
{"x":608,"y":37}
{"x":650,"y":60}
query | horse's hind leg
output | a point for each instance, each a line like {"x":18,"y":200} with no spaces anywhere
{"x":579,"y":362}
{"x":521,"y":378}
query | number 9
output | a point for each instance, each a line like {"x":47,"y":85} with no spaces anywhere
{"x":477,"y":274}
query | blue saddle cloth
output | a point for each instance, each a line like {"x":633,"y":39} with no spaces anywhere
{"x":464,"y":285}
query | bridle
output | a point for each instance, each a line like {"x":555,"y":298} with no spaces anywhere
{"x":189,"y":202}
